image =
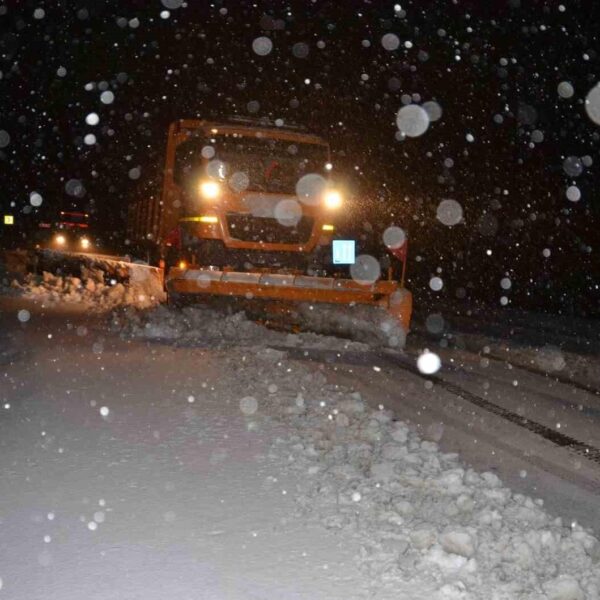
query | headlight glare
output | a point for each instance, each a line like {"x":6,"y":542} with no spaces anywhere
{"x":210,"y":190}
{"x":333,"y":199}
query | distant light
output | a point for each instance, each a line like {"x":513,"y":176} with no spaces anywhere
{"x":9,"y":220}
{"x":208,"y":219}
{"x":85,"y":243}
{"x":327,"y":227}
{"x":60,"y":239}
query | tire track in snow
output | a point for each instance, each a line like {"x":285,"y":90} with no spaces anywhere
{"x":584,"y":387}
{"x":556,"y":437}
{"x":400,"y":362}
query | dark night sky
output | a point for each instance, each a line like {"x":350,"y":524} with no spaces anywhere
{"x":494,"y":71}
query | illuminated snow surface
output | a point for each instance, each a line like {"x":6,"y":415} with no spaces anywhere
{"x":178,"y":453}
{"x":272,"y":482}
{"x":95,"y":289}
{"x":98,"y":290}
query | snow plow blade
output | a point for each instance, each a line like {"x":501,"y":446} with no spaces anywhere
{"x":376,"y":312}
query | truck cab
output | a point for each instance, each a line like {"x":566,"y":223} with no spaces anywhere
{"x":240,"y":196}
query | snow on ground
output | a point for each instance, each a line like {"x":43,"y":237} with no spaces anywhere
{"x":201,"y":325}
{"x":427,"y":523}
{"x":427,"y":526}
{"x":218,"y":467}
{"x":93,"y":288}
{"x":548,"y":358}
{"x":364,"y":323}
{"x":141,"y":473}
{"x":566,"y":346}
{"x":580,"y":367}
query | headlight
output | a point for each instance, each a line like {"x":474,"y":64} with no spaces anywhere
{"x":210,"y":190}
{"x":85,"y":243}
{"x":333,"y":199}
{"x":60,"y":239}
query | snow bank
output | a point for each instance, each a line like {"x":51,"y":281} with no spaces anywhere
{"x":201,"y":325}
{"x":193,"y":325}
{"x":428,"y":526}
{"x":95,"y":288}
{"x":369,"y":324}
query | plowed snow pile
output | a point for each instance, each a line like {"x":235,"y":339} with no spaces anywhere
{"x":94,"y":288}
{"x":369,"y":324}
{"x":428,"y":527}
{"x":194,"y":325}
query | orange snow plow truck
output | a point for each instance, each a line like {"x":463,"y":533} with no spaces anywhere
{"x":248,"y":213}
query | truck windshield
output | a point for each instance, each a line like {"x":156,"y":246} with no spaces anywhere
{"x":249,"y":163}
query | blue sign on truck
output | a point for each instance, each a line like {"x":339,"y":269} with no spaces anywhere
{"x":344,"y":252}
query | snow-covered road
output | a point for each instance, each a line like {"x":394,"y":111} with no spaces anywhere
{"x":130,"y":471}
{"x":139,"y":462}
{"x":540,"y":436}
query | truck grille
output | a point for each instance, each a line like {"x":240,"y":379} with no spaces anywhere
{"x":248,"y":228}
